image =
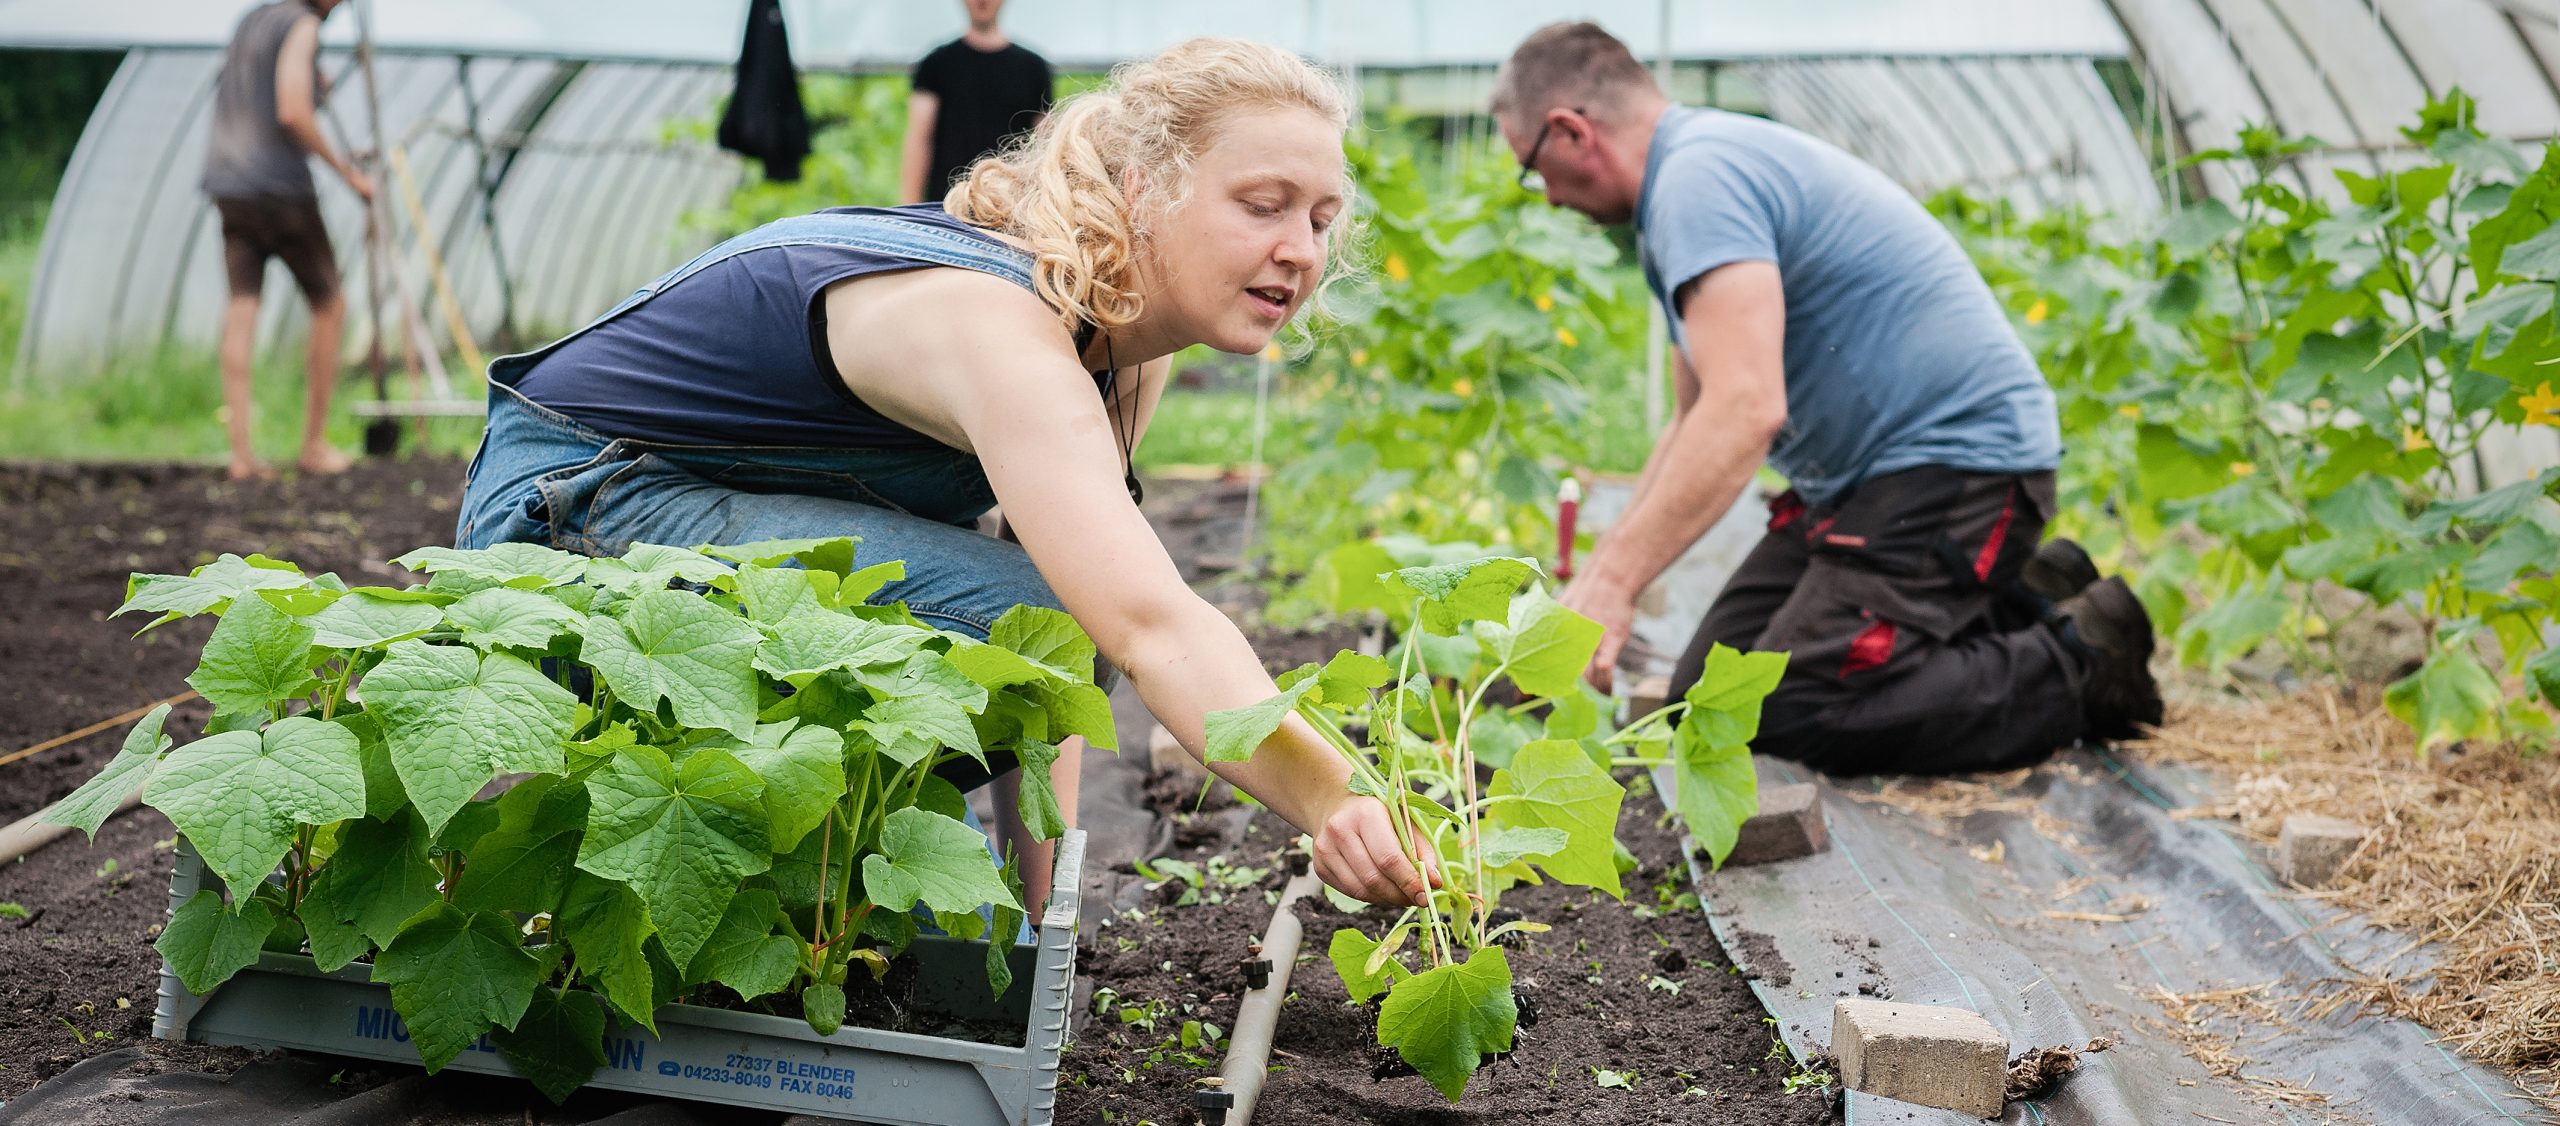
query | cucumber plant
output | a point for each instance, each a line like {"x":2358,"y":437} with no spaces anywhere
{"x":2278,"y":404}
{"x":747,"y":793}
{"x":1548,"y":810}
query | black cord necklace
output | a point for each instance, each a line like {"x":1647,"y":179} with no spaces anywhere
{"x":1123,"y":429}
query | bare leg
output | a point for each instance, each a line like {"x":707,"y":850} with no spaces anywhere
{"x":1039,"y":857}
{"x":320,"y":370}
{"x":239,"y":338}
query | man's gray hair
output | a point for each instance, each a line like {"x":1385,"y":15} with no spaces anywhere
{"x":1572,"y":65}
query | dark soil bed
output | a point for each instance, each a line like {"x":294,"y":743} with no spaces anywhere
{"x":1703,"y":1053}
{"x":77,"y":973}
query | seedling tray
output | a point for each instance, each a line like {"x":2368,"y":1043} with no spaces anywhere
{"x":712,"y":1055}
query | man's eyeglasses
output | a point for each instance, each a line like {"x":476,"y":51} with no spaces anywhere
{"x":1530,"y":180}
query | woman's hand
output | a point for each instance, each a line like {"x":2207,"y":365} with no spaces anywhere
{"x":1358,"y":853}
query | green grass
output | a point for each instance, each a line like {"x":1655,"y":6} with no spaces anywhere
{"x":170,"y":409}
{"x":19,"y":241}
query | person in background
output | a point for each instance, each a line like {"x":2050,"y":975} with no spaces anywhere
{"x":1826,"y":324}
{"x":971,"y":96}
{"x":266,"y":126}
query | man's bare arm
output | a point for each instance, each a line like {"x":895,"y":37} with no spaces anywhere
{"x":298,"y":106}
{"x":922,"y":110}
{"x":1684,"y":389}
{"x":1735,"y":320}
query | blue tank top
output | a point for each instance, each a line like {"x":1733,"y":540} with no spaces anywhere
{"x":731,"y":349}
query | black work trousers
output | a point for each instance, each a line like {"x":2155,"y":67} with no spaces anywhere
{"x":1913,"y":650}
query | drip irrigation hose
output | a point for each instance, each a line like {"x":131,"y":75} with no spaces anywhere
{"x":30,"y":832}
{"x":1249,"y":1043}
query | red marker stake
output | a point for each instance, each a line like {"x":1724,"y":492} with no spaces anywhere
{"x":1568,"y":506}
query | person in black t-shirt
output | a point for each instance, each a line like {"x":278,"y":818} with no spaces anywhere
{"x":971,"y":94}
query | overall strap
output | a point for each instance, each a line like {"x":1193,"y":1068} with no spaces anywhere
{"x":884,"y":235}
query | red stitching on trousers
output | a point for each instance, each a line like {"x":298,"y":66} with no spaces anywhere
{"x":1871,"y":648}
{"x":1990,"y":553}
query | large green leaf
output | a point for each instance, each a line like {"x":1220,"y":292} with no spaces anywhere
{"x":1456,"y":593}
{"x":1351,"y":952}
{"x":680,"y":836}
{"x":209,"y":587}
{"x":239,"y":796}
{"x":774,"y":595}
{"x":803,"y":770}
{"x":1724,"y":705}
{"x":257,"y":657}
{"x":2452,"y":697}
{"x":505,"y":616}
{"x":606,"y":928}
{"x":454,"y":718}
{"x":1551,"y":784}
{"x":454,"y":975}
{"x":936,"y":859}
{"x":1075,"y":709}
{"x":378,"y":879}
{"x":924,"y":674}
{"x":1715,"y":787}
{"x":921,"y":718}
{"x":364,"y":620}
{"x":527,"y":565}
{"x":677,"y":647}
{"x":821,"y":553}
{"x":808,"y":644}
{"x":744,"y":952}
{"x":1545,"y":647}
{"x":557,"y":1044}
{"x":1445,"y":1021}
{"x":1049,"y":637}
{"x":96,"y":800}
{"x":523,"y":865}
{"x":205,"y":942}
{"x":1038,"y":792}
{"x":2545,"y":673}
{"x":1234,"y":734}
{"x":651,"y":566}
{"x":1504,"y":844}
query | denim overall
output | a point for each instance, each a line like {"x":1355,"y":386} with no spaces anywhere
{"x":542,"y":477}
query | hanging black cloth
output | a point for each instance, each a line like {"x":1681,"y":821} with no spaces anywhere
{"x":765,"y":119}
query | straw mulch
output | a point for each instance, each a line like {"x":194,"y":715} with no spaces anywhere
{"x":2461,"y":858}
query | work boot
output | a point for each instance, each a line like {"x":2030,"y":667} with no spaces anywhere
{"x":2107,"y":624}
{"x":2058,"y":570}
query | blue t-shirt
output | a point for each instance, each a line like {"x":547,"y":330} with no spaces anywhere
{"x":1897,"y":356}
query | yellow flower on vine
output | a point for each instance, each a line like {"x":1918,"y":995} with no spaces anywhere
{"x":2243,"y":469}
{"x":1565,"y":337}
{"x":1271,"y":352}
{"x":1359,"y":357}
{"x":2131,"y":410}
{"x":1546,"y":304}
{"x":2413,"y":439}
{"x":1463,"y":387}
{"x":2037,"y":312}
{"x":2542,"y":408}
{"x":1396,"y":268}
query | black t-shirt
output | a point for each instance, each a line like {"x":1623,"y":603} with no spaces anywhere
{"x":986,"y":97}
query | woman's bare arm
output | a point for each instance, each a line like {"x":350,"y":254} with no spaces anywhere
{"x":1008,"y":382}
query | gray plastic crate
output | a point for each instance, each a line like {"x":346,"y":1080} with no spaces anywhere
{"x":712,"y":1055}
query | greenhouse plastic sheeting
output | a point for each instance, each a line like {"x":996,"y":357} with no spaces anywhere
{"x":1924,"y":911}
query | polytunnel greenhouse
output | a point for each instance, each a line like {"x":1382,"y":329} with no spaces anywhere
{"x":1862,"y":561}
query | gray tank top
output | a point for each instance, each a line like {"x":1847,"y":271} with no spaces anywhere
{"x":251,"y":156}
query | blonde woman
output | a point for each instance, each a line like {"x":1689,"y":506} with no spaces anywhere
{"x":891,"y":373}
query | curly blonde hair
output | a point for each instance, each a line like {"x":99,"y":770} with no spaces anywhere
{"x":1060,"y":189}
